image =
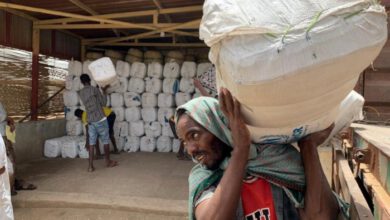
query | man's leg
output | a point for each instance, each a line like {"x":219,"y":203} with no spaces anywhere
{"x":99,"y":154}
{"x":92,"y":132}
{"x":103,"y":133}
{"x":111,"y":120}
{"x":12,"y":159}
{"x":320,"y":203}
{"x":112,"y":138}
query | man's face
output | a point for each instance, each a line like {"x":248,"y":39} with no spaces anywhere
{"x":202,"y":145}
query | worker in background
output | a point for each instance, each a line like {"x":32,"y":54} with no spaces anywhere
{"x":6,"y":210}
{"x":94,"y":102}
{"x":82,"y":115}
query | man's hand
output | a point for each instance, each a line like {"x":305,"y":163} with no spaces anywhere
{"x":11,"y":124}
{"x":231,"y":108}
{"x":105,"y":88}
{"x":317,"y":138}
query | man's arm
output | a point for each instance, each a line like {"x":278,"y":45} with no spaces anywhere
{"x":102,"y":98}
{"x":201,"y":89}
{"x":224,"y":202}
{"x":11,"y":123}
{"x":320,"y":203}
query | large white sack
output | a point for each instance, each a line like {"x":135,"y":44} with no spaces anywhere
{"x":181,"y":98}
{"x":113,"y":54}
{"x":151,"y":56}
{"x":120,"y":143}
{"x":136,"y":128}
{"x":187,"y":85}
{"x":174,"y":56}
{"x":148,"y":144}
{"x":134,"y":55}
{"x":74,"y":128}
{"x":121,"y":128}
{"x":123,"y":83}
{"x":152,"y":129}
{"x":155,"y":70}
{"x":164,"y":144}
{"x":149,"y":114}
{"x":171,"y":70}
{"x":119,"y":112}
{"x":114,"y":86}
{"x":71,"y":98}
{"x":70,"y":148}
{"x":153,"y":85}
{"x":136,"y":85}
{"x":133,"y":114}
{"x":171,"y":86}
{"x":202,"y":68}
{"x":85,"y":67}
{"x":188,"y":69}
{"x":103,"y":71}
{"x":122,"y":68}
{"x":132,"y":144}
{"x":165,"y":100}
{"x":166,"y":130}
{"x":93,"y":55}
{"x":108,"y":97}
{"x":164,"y":114}
{"x":149,"y":100}
{"x":77,"y":85}
{"x":292,"y":83}
{"x":138,"y":70}
{"x":69,"y":113}
{"x":132,"y":99}
{"x":82,"y":151}
{"x":52,"y":147}
{"x":175,"y":145}
{"x":69,"y":82}
{"x":75,"y":68}
{"x":117,"y":100}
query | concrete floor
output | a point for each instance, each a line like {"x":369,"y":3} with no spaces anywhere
{"x":143,"y":186}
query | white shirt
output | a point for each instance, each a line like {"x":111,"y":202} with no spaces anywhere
{"x":6,"y":210}
{"x":3,"y":120}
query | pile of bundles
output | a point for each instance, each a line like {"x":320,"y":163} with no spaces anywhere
{"x":142,"y":95}
{"x":293,"y":64}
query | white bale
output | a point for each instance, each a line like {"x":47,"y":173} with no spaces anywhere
{"x":181,"y":98}
{"x":134,"y":55}
{"x":120,"y":143}
{"x":117,"y":100}
{"x":123,"y":81}
{"x":133,"y":114}
{"x":164,"y":114}
{"x":114,"y":86}
{"x":165,"y":100}
{"x":69,"y":82}
{"x":202,"y":68}
{"x":137,"y":128}
{"x":153,"y":85}
{"x":138,"y":70}
{"x":148,"y":144}
{"x":152,"y":129}
{"x":136,"y":85}
{"x":77,"y":85}
{"x":176,"y":145}
{"x":113,"y":54}
{"x":53,"y":147}
{"x":85,"y":67}
{"x":174,"y":56}
{"x":122,"y":68}
{"x":71,"y":98}
{"x":171,"y":70}
{"x":108,"y":97}
{"x":74,"y":128}
{"x":164,"y":144}
{"x":149,"y":114}
{"x":69,"y":113}
{"x":166,"y":130}
{"x":120,"y":113}
{"x":70,"y":148}
{"x":152,"y":56}
{"x":103,"y":71}
{"x":82,"y":151}
{"x":149,"y":100}
{"x":171,"y":86}
{"x":121,"y":129}
{"x":188,"y":69}
{"x":93,"y":55}
{"x":155,"y":70}
{"x":132,"y":99}
{"x":132,"y":144}
{"x":75,"y":68}
{"x":187,"y":85}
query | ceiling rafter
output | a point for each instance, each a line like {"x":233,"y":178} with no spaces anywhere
{"x":105,"y":26}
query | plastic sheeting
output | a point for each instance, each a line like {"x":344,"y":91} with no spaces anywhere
{"x":70,"y":148}
{"x":149,"y":100}
{"x":171,"y":70}
{"x":149,"y":114}
{"x":133,"y":114}
{"x":148,"y":144}
{"x":52,"y":147}
{"x":132,"y":99}
{"x":152,"y":129}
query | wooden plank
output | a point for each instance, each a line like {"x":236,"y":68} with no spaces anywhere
{"x":84,"y":7}
{"x":107,"y":26}
{"x":374,"y":134}
{"x":351,"y":190}
{"x":141,"y":44}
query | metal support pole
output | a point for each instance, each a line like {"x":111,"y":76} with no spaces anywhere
{"x":35,"y":74}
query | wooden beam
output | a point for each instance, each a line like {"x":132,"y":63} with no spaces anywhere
{"x":94,"y":40}
{"x":128,"y":14}
{"x":71,"y":15}
{"x":159,"y":7}
{"x":84,"y":7}
{"x":109,"y":26}
{"x":167,"y":29}
{"x":143,"y":44}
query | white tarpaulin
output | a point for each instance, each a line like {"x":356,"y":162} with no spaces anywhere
{"x":291,"y":63}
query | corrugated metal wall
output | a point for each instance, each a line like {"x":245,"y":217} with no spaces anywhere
{"x":16,"y":32}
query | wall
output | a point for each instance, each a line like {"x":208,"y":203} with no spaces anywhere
{"x":31,"y":136}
